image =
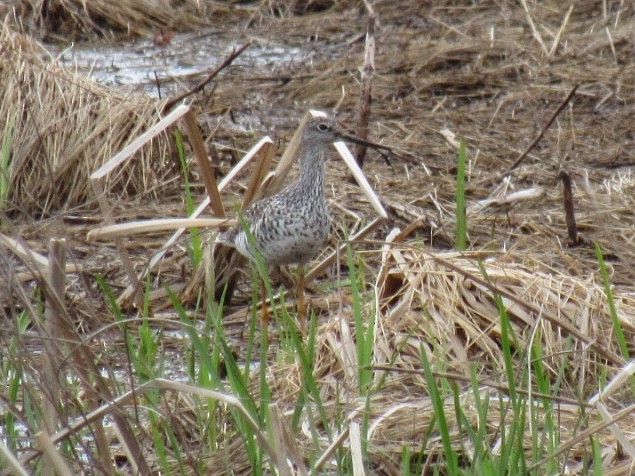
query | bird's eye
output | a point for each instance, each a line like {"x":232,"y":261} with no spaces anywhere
{"x":323,"y":127}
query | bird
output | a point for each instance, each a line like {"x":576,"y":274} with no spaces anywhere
{"x":292,"y":226}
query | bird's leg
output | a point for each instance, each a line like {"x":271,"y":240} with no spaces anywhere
{"x":300,"y":300}
{"x":264,"y":309}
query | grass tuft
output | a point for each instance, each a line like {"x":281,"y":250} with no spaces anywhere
{"x":610,"y":301}
{"x":5,"y":161}
{"x":461,"y":209}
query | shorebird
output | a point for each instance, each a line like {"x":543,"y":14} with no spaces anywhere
{"x":292,"y":226}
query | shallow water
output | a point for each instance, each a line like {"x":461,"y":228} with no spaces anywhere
{"x":187,"y":58}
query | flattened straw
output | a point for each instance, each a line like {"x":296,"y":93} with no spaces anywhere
{"x":567,"y":327}
{"x":139,"y":142}
{"x":285,"y":449}
{"x":119,"y":230}
{"x":20,"y":249}
{"x":209,"y":178}
{"x":535,"y":32}
{"x":126,"y":449}
{"x":97,"y":178}
{"x":450,"y":138}
{"x":556,"y":40}
{"x":616,"y":383}
{"x":482,"y":382}
{"x":356,"y":450}
{"x":385,"y":289}
{"x":52,"y":456}
{"x":256,"y":181}
{"x":52,"y":329}
{"x":328,"y":452}
{"x":619,"y":435}
{"x":345,"y":351}
{"x":611,"y":43}
{"x":11,"y":461}
{"x":507,"y":199}
{"x":371,"y":196}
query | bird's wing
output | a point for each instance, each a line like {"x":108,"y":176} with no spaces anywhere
{"x":254,"y":214}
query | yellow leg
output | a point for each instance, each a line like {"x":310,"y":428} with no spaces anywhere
{"x":264,"y":309}
{"x":301,"y":303}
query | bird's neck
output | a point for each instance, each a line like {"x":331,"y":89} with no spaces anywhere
{"x":311,"y":174}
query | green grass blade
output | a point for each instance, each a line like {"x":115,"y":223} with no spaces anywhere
{"x":451,"y":459}
{"x":617,"y":325}
{"x":461,"y":216}
{"x":483,"y":460}
{"x":512,"y":448}
{"x":5,"y":161}
{"x":364,"y":331}
{"x":195,"y":248}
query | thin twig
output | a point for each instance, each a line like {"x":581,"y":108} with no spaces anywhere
{"x":569,"y":211}
{"x":534,"y":142}
{"x":226,"y":62}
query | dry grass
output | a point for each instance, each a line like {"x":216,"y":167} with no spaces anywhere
{"x":442,"y":302}
{"x":63,"y":20}
{"x":491,"y":73}
{"x":66,"y":127}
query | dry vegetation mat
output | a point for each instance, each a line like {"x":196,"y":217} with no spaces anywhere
{"x":512,"y":356}
{"x":449,"y":305}
{"x":77,"y":20}
{"x":63,"y":127}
